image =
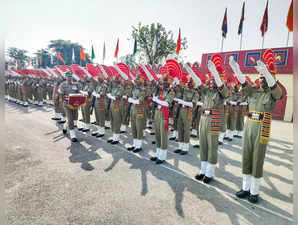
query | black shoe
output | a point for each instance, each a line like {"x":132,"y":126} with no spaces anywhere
{"x":176,"y":140}
{"x":131,"y":148}
{"x":152,"y":133}
{"x":153,"y":158}
{"x":193,"y":136}
{"x":200,"y":176}
{"x":183,"y":153}
{"x":107,"y":128}
{"x":94,"y":134}
{"x":75,"y":126}
{"x":93,"y":122}
{"x":153,"y":142}
{"x":230,"y":139}
{"x":60,"y":122}
{"x":207,"y":180}
{"x":196,"y":146}
{"x":177,"y":151}
{"x":137,"y":150}
{"x":172,"y":138}
{"x":54,"y":118}
{"x":158,"y":161}
{"x":81,"y":128}
{"x":242,"y":194}
{"x":74,"y":140}
{"x":150,"y":127}
{"x":122,"y":132}
{"x":253,"y":199}
{"x":99,"y":135}
{"x":219,"y":143}
{"x":110,"y":140}
{"x":64,"y":131}
{"x":226,"y":138}
{"x":85,"y":130}
{"x":114,"y":142}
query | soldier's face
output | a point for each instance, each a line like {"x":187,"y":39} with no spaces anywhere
{"x":211,"y":84}
{"x":263,"y":83}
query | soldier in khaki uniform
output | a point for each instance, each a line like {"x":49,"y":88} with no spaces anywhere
{"x":127,"y":88}
{"x":186,"y":103}
{"x":100,"y":108}
{"x":164,"y":98}
{"x":196,"y":119}
{"x":233,"y":112}
{"x":210,"y":123}
{"x":58,"y":102}
{"x":67,"y":88}
{"x":115,"y":95}
{"x":87,"y":91}
{"x":261,"y":103}
{"x":137,"y":113}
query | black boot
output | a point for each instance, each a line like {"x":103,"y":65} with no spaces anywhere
{"x":177,"y":151}
{"x":158,"y":161}
{"x":137,"y":150}
{"x":153,"y":158}
{"x":131,"y":148}
{"x":253,"y":199}
{"x":200,"y":176}
{"x":207,"y":180}
{"x":242,"y":194}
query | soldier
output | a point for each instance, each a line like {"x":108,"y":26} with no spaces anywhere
{"x":261,"y":102}
{"x":241,"y":114}
{"x":164,"y":98}
{"x":100,"y":108}
{"x":115,"y":95}
{"x":58,"y":102}
{"x":196,"y":119}
{"x":87,"y":90}
{"x":127,"y":88}
{"x":210,"y":123}
{"x":65,"y":89}
{"x":186,"y":103}
{"x":137,"y":113}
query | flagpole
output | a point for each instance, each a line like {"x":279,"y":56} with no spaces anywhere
{"x":241,"y":41}
{"x":263,"y":41}
{"x":288,"y":38}
{"x":222,"y":41}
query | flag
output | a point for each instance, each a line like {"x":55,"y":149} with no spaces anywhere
{"x":264,"y":25}
{"x":83,"y":56}
{"x":178,"y":43}
{"x":60,"y":57}
{"x":154,"y":44}
{"x":241,"y":20}
{"x":290,"y":17}
{"x":19,"y":64}
{"x":117,"y":49}
{"x":135,"y":47}
{"x":92,"y":53}
{"x":104,"y":52}
{"x":224,"y":27}
{"x":73,"y":56}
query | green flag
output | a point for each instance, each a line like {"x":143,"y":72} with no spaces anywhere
{"x":92,"y":53}
{"x":135,"y":47}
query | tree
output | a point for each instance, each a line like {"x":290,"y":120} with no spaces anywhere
{"x":43,"y":58}
{"x":18,"y":54}
{"x":165,"y":44}
{"x":129,"y":60}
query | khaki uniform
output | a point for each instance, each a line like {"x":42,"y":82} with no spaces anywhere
{"x":87,"y":91}
{"x":210,"y":126}
{"x":257,"y":131}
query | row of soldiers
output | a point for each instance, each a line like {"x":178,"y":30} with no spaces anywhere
{"x":215,"y":110}
{"x":27,"y":90}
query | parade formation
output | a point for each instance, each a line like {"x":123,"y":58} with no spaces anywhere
{"x":177,"y":103}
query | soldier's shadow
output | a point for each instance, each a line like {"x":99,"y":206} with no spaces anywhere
{"x":83,"y":155}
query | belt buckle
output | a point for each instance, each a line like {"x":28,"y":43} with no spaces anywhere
{"x":207,"y":112}
{"x":255,"y":116}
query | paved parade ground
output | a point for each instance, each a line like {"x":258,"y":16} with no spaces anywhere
{"x":50,"y":180}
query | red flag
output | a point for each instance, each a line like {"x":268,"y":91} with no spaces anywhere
{"x":117,"y":49}
{"x":19,"y":64}
{"x":290,"y":17}
{"x":60,"y":57}
{"x":178,"y":43}
{"x":264,"y":25}
{"x":83,"y":56}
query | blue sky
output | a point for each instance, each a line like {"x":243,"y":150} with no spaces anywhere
{"x":32,"y":23}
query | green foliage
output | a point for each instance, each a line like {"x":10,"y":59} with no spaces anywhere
{"x":18,"y":54}
{"x":166,"y":45}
